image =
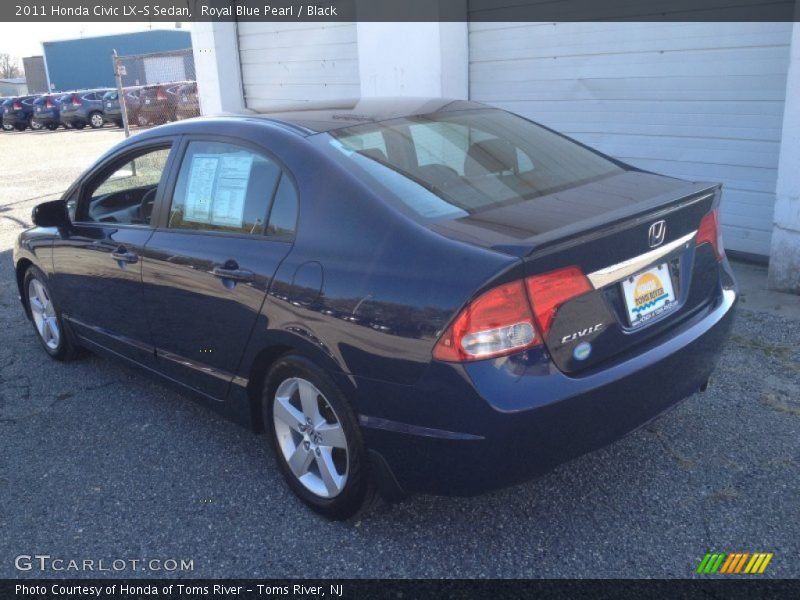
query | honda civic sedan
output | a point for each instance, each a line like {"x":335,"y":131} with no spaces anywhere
{"x":407,"y":295}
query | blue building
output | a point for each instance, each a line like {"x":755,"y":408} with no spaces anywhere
{"x":87,"y":62}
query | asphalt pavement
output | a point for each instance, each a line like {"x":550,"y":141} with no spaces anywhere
{"x":98,"y":462}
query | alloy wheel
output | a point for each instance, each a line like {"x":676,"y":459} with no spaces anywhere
{"x":43,"y":314}
{"x":96,"y":120}
{"x":36,"y":125}
{"x":311,"y":438}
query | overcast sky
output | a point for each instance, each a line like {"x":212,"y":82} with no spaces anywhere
{"x":25,"y":39}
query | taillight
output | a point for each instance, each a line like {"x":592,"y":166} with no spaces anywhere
{"x":161,"y":94}
{"x":550,"y":290}
{"x":498,"y":322}
{"x":16,"y":105}
{"x":76,"y":100}
{"x":506,"y":319}
{"x":709,"y":232}
{"x":49,"y":103}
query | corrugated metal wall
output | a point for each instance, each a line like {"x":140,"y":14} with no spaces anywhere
{"x":701,"y":101}
{"x":297,"y":62}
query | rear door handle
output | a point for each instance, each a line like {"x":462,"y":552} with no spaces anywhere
{"x":122,"y":255}
{"x":233,"y":274}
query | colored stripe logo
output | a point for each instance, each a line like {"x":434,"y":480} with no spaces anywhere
{"x":734,"y":563}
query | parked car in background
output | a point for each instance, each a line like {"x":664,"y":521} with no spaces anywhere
{"x":188,"y":102}
{"x":17,"y":112}
{"x":47,"y":111}
{"x":435,"y":295}
{"x":158,"y":103}
{"x":112,"y":110}
{"x":83,"y":108}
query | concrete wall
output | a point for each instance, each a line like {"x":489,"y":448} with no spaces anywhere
{"x":216,"y":61}
{"x":784,"y":264}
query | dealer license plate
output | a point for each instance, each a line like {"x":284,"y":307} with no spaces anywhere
{"x":648,"y":295}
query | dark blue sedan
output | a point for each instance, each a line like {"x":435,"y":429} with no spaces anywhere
{"x":409,"y":295}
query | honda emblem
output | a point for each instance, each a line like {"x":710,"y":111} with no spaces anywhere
{"x":655,"y":236}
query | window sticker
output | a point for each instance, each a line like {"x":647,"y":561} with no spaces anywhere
{"x":200,"y":192}
{"x":231,"y":189}
{"x":218,"y":188}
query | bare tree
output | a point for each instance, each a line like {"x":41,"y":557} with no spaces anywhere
{"x":9,"y":69}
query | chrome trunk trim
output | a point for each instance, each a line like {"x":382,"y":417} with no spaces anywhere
{"x":618,"y":272}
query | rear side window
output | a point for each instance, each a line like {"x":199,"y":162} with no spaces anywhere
{"x":283,"y":216}
{"x":229,"y":188}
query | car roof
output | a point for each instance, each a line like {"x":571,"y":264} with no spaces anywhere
{"x":330,"y":115}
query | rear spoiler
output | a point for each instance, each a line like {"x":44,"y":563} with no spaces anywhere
{"x":576,"y":233}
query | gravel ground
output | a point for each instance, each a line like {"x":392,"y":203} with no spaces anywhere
{"x":99,"y":462}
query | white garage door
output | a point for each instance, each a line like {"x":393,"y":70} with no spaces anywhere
{"x":286,"y":63}
{"x":701,"y":101}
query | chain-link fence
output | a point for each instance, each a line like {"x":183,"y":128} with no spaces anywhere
{"x":153,"y":89}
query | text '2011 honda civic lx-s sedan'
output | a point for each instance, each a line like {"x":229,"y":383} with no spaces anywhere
{"x":413,"y":295}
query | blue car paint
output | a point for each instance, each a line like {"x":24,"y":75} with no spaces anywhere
{"x":366,"y":299}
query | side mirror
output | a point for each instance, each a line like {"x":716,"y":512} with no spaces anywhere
{"x":51,"y":214}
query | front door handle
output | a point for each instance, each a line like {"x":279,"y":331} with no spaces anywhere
{"x":122,"y":255}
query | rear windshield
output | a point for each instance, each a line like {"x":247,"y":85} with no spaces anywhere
{"x":450,"y":165}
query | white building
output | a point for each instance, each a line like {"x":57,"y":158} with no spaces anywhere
{"x":701,"y":101}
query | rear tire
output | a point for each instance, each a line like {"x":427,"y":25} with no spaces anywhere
{"x":313,"y":428}
{"x":96,"y":120}
{"x":21,"y":126}
{"x":36,"y":126}
{"x":46,"y":317}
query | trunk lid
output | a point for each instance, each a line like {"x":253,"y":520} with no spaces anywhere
{"x":604,"y":229}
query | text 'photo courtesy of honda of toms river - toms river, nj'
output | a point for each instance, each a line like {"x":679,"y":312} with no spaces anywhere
{"x":408,"y":295}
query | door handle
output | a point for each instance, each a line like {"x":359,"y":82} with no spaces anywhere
{"x":122,"y":255}
{"x":234,"y":274}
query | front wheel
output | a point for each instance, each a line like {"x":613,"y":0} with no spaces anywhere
{"x":46,"y":317}
{"x":37,"y":126}
{"x":316,"y":438}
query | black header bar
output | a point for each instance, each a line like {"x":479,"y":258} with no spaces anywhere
{"x":398,"y":10}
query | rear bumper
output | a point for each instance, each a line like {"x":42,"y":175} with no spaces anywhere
{"x":46,"y":119}
{"x":517,"y":419}
{"x":16,"y":119}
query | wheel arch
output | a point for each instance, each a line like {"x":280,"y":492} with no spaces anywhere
{"x":22,"y":266}
{"x":268,"y":355}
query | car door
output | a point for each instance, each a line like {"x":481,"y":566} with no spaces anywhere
{"x":209,"y":264}
{"x":97,"y":260}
